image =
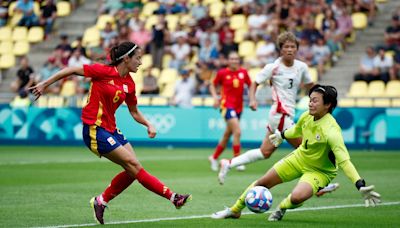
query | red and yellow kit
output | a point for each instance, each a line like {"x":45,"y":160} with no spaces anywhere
{"x":232,"y":83}
{"x":107,"y":92}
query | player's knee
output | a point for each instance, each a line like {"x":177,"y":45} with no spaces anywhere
{"x":132,"y":164}
{"x":237,"y":132}
{"x":297,"y":198}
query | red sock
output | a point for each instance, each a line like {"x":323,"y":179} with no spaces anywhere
{"x":218,"y":151}
{"x":236,"y":150}
{"x":118,"y":184}
{"x":153,"y":184}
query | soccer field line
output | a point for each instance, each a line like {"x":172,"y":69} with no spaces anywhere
{"x":208,"y":216}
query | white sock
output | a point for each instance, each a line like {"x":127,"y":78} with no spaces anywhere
{"x":249,"y":157}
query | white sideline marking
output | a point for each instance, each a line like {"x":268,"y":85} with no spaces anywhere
{"x":208,"y":216}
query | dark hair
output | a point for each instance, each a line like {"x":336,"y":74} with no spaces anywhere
{"x":284,"y":37}
{"x":329,"y":94}
{"x":117,"y":53}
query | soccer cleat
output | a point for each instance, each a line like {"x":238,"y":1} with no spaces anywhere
{"x":277,"y":215}
{"x":98,"y":209}
{"x":226,"y":213}
{"x":327,"y":189}
{"x":180,"y":200}
{"x":214,"y":163}
{"x":241,"y":168}
{"x":224,"y":169}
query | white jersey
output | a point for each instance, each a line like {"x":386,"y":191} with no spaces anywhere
{"x":285,"y":82}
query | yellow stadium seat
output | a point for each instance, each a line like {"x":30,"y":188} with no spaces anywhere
{"x":68,"y":88}
{"x":20,"y":33}
{"x":63,"y":8}
{"x":376,"y":89}
{"x":253,"y":73}
{"x":216,"y":9}
{"x":55,"y":102}
{"x":385,"y":102}
{"x":168,"y":89}
{"x":247,"y":49}
{"x":6,"y":47}
{"x":360,"y":20}
{"x":21,"y":48}
{"x":103,"y":19}
{"x":161,"y":101}
{"x":35,"y":34}
{"x":395,"y":102}
{"x":168,"y":75}
{"x":184,"y":19}
{"x":144,"y":100}
{"x":209,"y":101}
{"x":165,"y":61}
{"x":7,"y":61}
{"x":147,"y":61}
{"x":318,"y":21}
{"x":149,"y":8}
{"x":197,"y":101}
{"x":11,"y":8}
{"x":238,"y":21}
{"x":172,"y":21}
{"x":155,"y":72}
{"x":313,"y":74}
{"x":364,"y":102}
{"x":150,"y":21}
{"x":240,"y":34}
{"x":381,"y":1}
{"x":358,"y":89}
{"x":347,"y":102}
{"x":393,"y":89}
{"x":91,"y":36}
{"x":41,"y":102}
{"x":5,"y":33}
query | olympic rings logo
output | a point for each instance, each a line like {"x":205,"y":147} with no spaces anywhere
{"x":162,"y":123}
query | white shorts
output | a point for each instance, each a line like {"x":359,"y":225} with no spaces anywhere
{"x":279,"y":121}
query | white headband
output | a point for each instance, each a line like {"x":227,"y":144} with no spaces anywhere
{"x":130,"y":51}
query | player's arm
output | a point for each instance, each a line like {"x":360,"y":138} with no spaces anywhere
{"x":261,"y":77}
{"x":294,"y":132}
{"x":38,"y":89}
{"x":139,"y":117}
{"x":213,"y":89}
{"x":336,"y":143}
{"x":252,"y":96}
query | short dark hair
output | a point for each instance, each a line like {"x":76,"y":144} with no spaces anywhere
{"x":117,"y":53}
{"x":329,"y":94}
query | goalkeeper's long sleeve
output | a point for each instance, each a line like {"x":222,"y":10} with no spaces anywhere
{"x":350,"y":171}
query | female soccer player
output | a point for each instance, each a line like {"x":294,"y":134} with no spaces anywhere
{"x":110,"y":86}
{"x":315,"y":161}
{"x":285,"y":76}
{"x":232,"y":80}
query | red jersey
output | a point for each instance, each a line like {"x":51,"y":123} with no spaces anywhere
{"x":107,"y":92}
{"x":232,"y":83}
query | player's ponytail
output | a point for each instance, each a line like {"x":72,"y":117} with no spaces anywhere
{"x":117,"y":53}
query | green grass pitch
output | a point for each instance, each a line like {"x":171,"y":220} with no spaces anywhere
{"x":52,"y":186}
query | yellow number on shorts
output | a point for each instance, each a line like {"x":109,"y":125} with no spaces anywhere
{"x":116,"y":97}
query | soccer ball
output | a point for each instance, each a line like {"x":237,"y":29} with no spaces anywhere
{"x":258,"y":199}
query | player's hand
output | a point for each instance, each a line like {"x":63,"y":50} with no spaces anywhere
{"x":371,"y":198}
{"x":253,"y":105}
{"x":151,"y":131}
{"x":276,"y":138}
{"x":37,"y":90}
{"x":216,"y":103}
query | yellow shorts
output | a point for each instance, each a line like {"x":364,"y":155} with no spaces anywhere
{"x":290,"y":168}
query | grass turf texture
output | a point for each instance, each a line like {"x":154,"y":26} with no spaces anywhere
{"x":49,"y":186}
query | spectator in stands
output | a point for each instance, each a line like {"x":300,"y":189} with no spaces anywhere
{"x":367,"y":69}
{"x":345,"y":24}
{"x":150,"y":85}
{"x":98,"y":53}
{"x":333,"y":38}
{"x":122,"y":19}
{"x":368,"y":7}
{"x":77,"y":59}
{"x":396,"y":66}
{"x":108,"y":33}
{"x":228,"y":45}
{"x":29,"y":18}
{"x":49,"y":68}
{"x":64,"y":44}
{"x":257,"y":23}
{"x":110,"y":6}
{"x":193,"y":33}
{"x":321,"y":55}
{"x":384,"y":63}
{"x":208,"y":56}
{"x":265,"y":53}
{"x":225,"y":31}
{"x":48,"y":16}
{"x":328,"y":20}
{"x":199,"y":10}
{"x":135,"y":21}
{"x":25,"y":77}
{"x":124,"y":34}
{"x":311,"y":33}
{"x":184,"y":90}
{"x":206,"y":22}
{"x":304,"y":52}
{"x":142,"y":36}
{"x":129,"y":5}
{"x":180,"y":52}
{"x":392,"y":34}
{"x":160,"y":38}
{"x":3,"y":14}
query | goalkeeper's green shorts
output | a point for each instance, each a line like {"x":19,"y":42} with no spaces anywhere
{"x":290,"y":168}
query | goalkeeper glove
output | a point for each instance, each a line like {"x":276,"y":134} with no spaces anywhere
{"x":371,"y":198}
{"x":276,"y":138}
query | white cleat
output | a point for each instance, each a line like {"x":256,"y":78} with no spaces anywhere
{"x":327,"y":189}
{"x":224,"y":169}
{"x":277,"y":215}
{"x":241,"y":168}
{"x":214,"y":163}
{"x":226,"y":213}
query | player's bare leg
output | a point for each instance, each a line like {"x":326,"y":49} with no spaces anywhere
{"x":220,"y":148}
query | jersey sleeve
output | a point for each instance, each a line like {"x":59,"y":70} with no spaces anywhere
{"x":131,"y":99}
{"x":94,"y":71}
{"x":296,"y":131}
{"x":336,"y":143}
{"x":264,"y":74}
{"x":247,"y":78}
{"x":305,"y":75}
{"x":350,"y":171}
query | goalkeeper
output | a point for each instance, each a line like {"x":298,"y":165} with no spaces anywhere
{"x":315,"y":162}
